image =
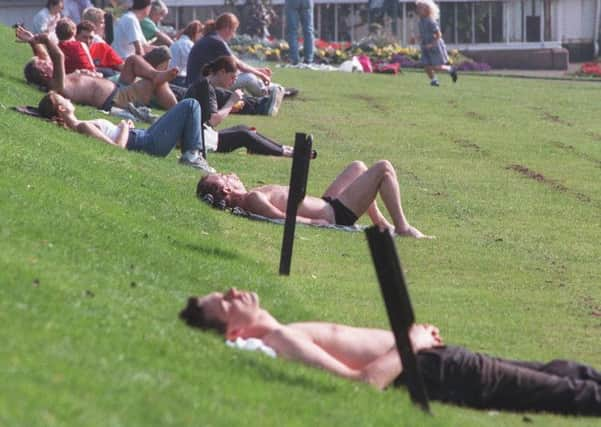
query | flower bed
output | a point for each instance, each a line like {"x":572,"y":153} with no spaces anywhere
{"x":375,"y":48}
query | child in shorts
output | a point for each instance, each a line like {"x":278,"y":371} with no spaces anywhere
{"x":434,"y":50}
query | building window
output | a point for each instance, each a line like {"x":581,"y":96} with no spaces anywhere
{"x":472,"y":22}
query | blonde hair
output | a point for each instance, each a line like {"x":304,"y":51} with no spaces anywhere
{"x":432,"y":7}
{"x":92,"y":14}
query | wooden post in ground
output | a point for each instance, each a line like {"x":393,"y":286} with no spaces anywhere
{"x":399,"y":309}
{"x":298,"y":186}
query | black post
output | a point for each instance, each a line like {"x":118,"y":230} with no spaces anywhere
{"x":399,"y":309}
{"x":298,"y":186}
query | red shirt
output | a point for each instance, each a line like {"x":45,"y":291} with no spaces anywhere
{"x":76,"y":57}
{"x":104,"y":56}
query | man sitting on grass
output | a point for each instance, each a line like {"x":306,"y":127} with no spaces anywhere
{"x":47,"y":69}
{"x":351,"y":194}
{"x":451,"y":374}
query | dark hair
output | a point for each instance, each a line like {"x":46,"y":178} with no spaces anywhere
{"x":209,"y":26}
{"x":51,"y":3}
{"x":65,"y":29}
{"x":140,"y":4}
{"x":195,"y":316}
{"x":85,"y":26}
{"x":193,"y":28}
{"x":48,"y":108}
{"x":211,"y":193}
{"x":226,"y":20}
{"x":34,"y":75}
{"x":226,"y":63}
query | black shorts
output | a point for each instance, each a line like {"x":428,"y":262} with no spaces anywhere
{"x":342,"y":214}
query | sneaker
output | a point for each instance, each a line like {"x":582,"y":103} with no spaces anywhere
{"x":290,"y":92}
{"x":434,"y":83}
{"x":275,"y":100}
{"x":453,"y":73}
{"x":195,"y":159}
{"x":142,"y":113}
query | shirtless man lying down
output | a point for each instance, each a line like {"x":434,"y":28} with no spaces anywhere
{"x":47,"y":69}
{"x":451,"y":374}
{"x":349,"y":196}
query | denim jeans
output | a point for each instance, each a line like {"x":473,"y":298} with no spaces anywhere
{"x":180,"y":124}
{"x":300,"y":10}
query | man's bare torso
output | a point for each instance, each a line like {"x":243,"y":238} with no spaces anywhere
{"x":355,"y":347}
{"x":311,"y":207}
{"x":87,"y":90}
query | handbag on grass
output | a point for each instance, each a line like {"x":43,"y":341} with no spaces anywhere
{"x":210,"y":137}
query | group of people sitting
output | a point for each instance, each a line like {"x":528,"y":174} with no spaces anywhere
{"x":199,"y":82}
{"x":217,"y":84}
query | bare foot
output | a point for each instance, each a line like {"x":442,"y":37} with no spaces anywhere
{"x":411,"y":231}
{"x":165,"y":76}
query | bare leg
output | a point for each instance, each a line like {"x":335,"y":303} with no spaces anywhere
{"x":346,"y":178}
{"x":136,"y":66}
{"x":380,"y":178}
{"x":164,"y":95}
{"x":429,"y":71}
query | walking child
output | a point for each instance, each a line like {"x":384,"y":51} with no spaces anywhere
{"x":434,"y":50}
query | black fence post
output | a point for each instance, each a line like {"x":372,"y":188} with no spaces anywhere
{"x":399,"y":309}
{"x":298,"y":186}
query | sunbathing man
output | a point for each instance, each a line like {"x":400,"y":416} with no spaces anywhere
{"x":351,"y":194}
{"x":451,"y":374}
{"x":47,"y":69}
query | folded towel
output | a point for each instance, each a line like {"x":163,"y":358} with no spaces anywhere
{"x":251,"y":344}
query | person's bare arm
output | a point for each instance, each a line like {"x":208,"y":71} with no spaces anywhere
{"x":259,"y":203}
{"x":163,"y":38}
{"x":381,"y":372}
{"x":297,"y":346}
{"x":57,"y":82}
{"x":263,"y":73}
{"x":223,"y":112}
{"x":139,"y":48}
{"x":25,"y":36}
{"x":90,"y":129}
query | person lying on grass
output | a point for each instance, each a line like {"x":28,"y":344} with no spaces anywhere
{"x":181,"y":124}
{"x":451,"y":374}
{"x":349,"y":196}
{"x":47,"y":70}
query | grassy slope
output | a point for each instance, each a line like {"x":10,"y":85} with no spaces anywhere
{"x":117,"y":242}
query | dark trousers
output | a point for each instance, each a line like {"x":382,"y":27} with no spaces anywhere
{"x":236,"y":137}
{"x":253,"y":105}
{"x":459,"y":376}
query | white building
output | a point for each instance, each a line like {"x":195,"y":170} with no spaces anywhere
{"x":494,"y":28}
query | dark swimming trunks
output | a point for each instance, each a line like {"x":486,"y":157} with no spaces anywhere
{"x":342,"y":214}
{"x":108,"y":103}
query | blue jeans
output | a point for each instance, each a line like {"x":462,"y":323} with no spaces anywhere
{"x":300,"y":10}
{"x":180,"y":123}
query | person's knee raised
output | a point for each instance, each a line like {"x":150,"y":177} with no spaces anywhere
{"x":358,"y":164}
{"x":384,"y":166}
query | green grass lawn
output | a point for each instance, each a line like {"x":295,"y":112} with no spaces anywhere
{"x":99,"y":249}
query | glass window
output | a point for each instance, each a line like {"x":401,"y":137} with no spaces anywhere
{"x":482,"y":22}
{"x":464,"y":22}
{"x":496,"y":9}
{"x":447,"y":22}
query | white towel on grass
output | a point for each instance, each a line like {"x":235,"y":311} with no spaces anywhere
{"x":251,"y":344}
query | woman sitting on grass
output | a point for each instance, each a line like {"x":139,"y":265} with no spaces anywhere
{"x":181,"y":124}
{"x":217,"y":103}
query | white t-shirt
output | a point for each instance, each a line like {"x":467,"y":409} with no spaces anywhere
{"x":44,"y":22}
{"x":180,"y":50}
{"x":127,"y":31}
